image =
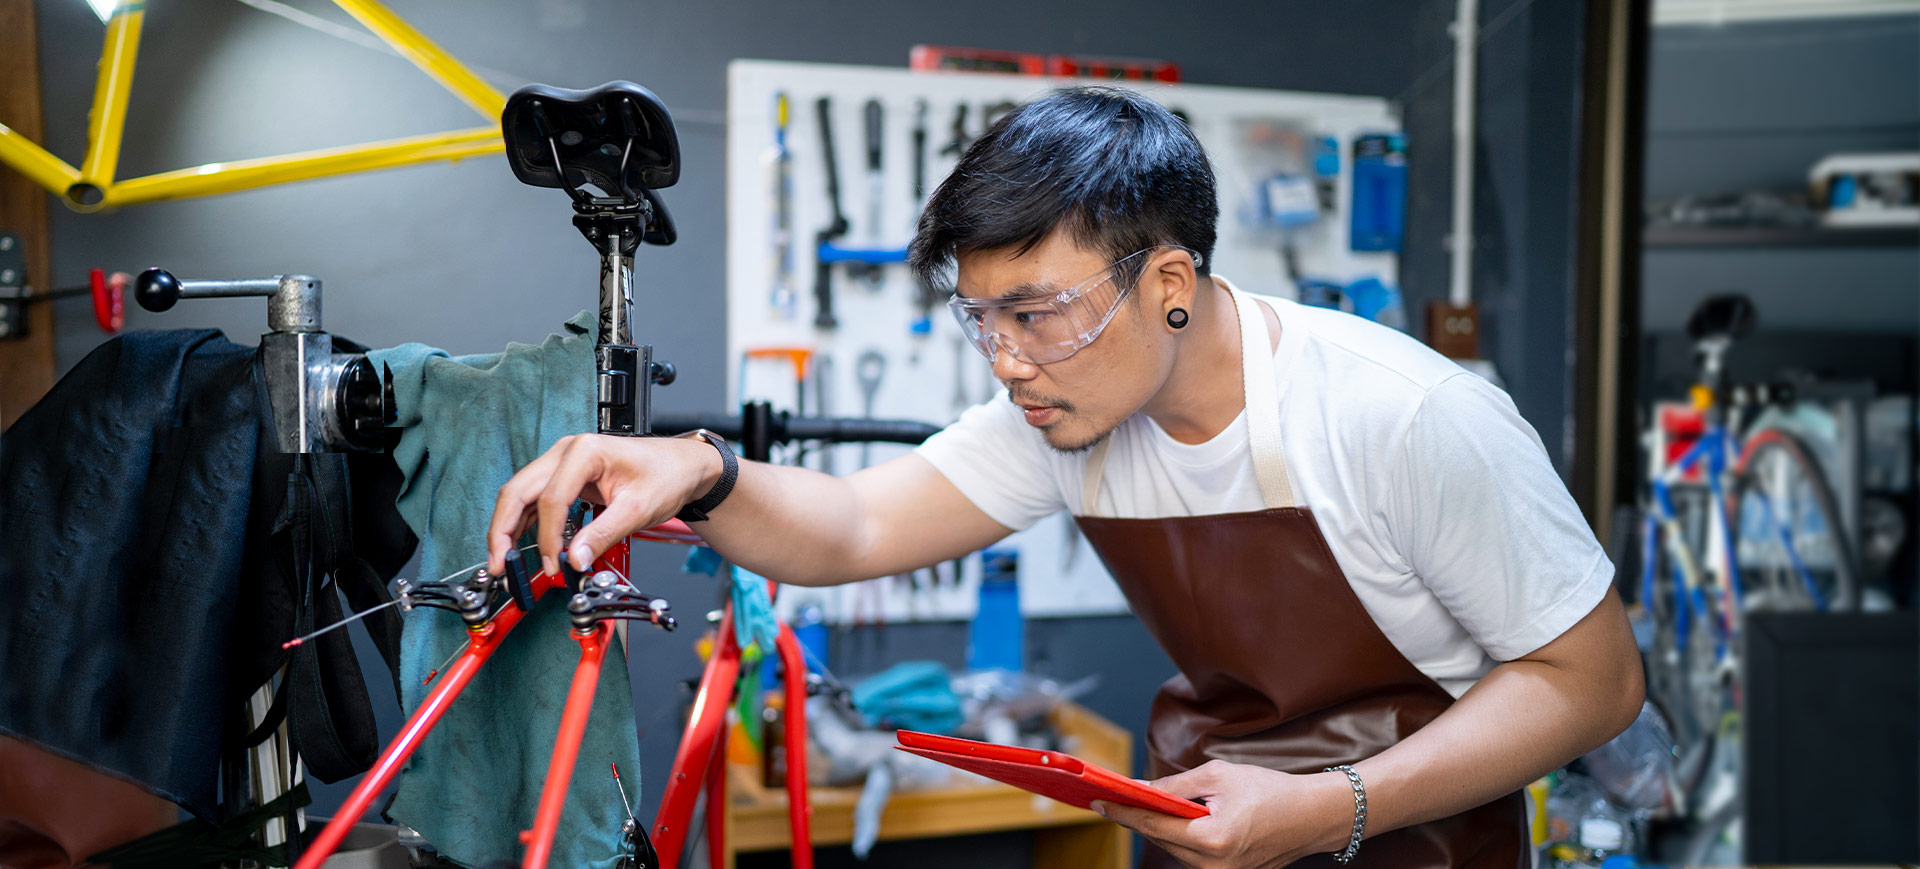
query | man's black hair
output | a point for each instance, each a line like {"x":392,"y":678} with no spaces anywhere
{"x":1114,"y":169}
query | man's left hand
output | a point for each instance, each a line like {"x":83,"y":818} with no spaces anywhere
{"x":1258,"y":817}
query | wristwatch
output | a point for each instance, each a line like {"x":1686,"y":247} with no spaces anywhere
{"x":729,"y":472}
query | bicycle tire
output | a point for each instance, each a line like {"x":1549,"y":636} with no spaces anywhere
{"x":1683,"y":678}
{"x":1845,"y":592}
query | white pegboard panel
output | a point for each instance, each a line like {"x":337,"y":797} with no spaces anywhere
{"x":933,"y":377}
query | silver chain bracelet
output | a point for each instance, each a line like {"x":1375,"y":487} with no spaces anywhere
{"x":1359,"y":813}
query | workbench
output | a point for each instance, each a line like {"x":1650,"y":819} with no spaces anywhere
{"x":756,"y":817}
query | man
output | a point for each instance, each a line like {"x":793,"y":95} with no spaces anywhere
{"x":1332,"y":530}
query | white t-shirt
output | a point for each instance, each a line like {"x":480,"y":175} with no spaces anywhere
{"x":1436,"y":497}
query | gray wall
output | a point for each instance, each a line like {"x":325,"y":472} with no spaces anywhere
{"x":465,"y":258}
{"x":1753,"y":107}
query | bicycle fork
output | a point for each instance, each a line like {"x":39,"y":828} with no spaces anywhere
{"x":482,"y":641}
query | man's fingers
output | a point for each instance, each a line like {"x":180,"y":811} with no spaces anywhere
{"x":509,"y":514}
{"x":580,"y":463}
{"x":1187,"y":856}
{"x":1170,"y":832}
{"x":1146,"y":822}
{"x":504,"y":532}
{"x":1201,"y":781}
{"x":515,"y":504}
{"x":612,"y":524}
{"x":500,"y":542}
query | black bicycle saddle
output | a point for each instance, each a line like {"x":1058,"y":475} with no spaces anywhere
{"x":1729,"y":316}
{"x":660,"y":230}
{"x":617,"y":137}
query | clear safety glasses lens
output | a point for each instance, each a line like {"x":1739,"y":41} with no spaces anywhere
{"x":1039,"y":330}
{"x":1043,"y":329}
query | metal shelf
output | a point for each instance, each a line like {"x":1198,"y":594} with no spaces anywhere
{"x":1768,"y":236}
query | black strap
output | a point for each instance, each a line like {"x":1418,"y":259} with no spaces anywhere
{"x":276,"y":713}
{"x":330,"y":717}
{"x":729,"y":472}
{"x":310,"y":524}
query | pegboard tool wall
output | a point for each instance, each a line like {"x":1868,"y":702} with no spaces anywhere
{"x":933,"y":376}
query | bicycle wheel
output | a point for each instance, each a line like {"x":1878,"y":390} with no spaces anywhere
{"x":1789,"y":538}
{"x":1665,"y":658}
{"x":1685,"y":667}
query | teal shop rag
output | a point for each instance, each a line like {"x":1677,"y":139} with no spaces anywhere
{"x":754,"y":622}
{"x":753,"y":619}
{"x":474,"y":783}
{"x":910,"y":695}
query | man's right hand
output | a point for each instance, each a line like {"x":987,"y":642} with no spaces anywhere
{"x":788,"y":524}
{"x":634,"y":482}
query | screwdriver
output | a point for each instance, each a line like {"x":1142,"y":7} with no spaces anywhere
{"x":780,"y":172}
{"x":876,"y":181}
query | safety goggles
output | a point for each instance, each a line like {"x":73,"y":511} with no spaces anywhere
{"x":1038,"y":329}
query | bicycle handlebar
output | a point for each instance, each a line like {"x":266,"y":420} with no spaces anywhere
{"x":783,"y":428}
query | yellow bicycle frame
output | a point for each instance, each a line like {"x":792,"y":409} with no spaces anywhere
{"x":92,"y":187}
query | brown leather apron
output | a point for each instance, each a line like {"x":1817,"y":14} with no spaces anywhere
{"x":1280,"y":664}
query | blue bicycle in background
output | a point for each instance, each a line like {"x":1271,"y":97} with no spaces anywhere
{"x":1738,"y":516}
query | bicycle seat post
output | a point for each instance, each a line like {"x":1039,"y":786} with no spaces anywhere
{"x":624,"y":397}
{"x":1715,"y":324}
{"x":609,"y":148}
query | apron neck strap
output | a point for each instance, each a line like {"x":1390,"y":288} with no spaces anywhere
{"x":1263,"y":403}
{"x":1263,"y":413}
{"x":1090,"y":483}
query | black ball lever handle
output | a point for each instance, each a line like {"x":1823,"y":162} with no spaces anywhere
{"x":156,"y":289}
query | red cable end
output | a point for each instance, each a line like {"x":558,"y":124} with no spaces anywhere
{"x":290,"y":643}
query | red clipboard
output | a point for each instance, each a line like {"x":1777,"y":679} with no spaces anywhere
{"x":1048,"y":773}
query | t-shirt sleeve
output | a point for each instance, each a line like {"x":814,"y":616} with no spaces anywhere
{"x":1483,"y":520}
{"x":999,"y":462}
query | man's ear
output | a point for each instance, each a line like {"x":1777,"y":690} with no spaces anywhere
{"x":1176,"y":279}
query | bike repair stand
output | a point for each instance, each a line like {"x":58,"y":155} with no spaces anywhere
{"x":320,"y":401}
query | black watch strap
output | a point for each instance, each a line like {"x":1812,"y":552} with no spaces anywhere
{"x":729,"y":472}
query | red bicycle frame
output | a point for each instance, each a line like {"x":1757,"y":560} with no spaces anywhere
{"x":694,"y":761}
{"x":481,"y":643}
{"x":699,"y":760}
{"x":566,"y":745}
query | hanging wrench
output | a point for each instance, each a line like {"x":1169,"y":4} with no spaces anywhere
{"x":919,"y":156}
{"x":871,"y":369}
{"x":780,"y":171}
{"x":958,"y":139}
{"x":876,"y":183}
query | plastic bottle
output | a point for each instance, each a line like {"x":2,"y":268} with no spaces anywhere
{"x":773,"y":741}
{"x":996,"y":640}
{"x":810,"y":628}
